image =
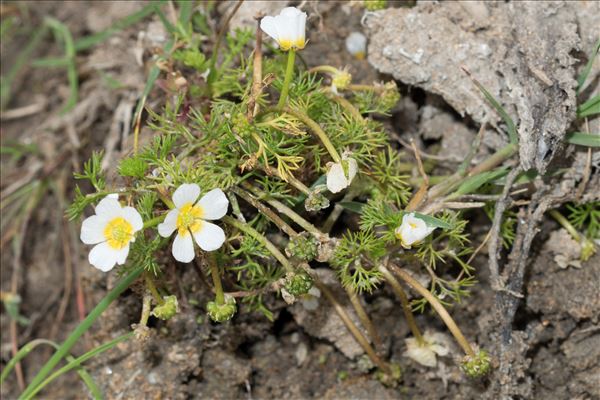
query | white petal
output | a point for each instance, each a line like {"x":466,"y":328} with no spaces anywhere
{"x":104,"y":257}
{"x":132,"y":216}
{"x":168,"y":226}
{"x":108,"y":208}
{"x":291,"y":12}
{"x":301,"y":27}
{"x":214,"y":204}
{"x":336,"y":180}
{"x":122,"y":254}
{"x":183,"y":248}
{"x":209,"y":237}
{"x":422,"y":355}
{"x":92,"y":230}
{"x":269,"y":26}
{"x":186,"y":193}
{"x":352,"y":169}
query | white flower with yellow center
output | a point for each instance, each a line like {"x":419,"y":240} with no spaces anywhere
{"x":341,"y":174}
{"x":412,"y":230}
{"x":356,"y":44}
{"x":111,"y":230}
{"x":189,"y":218}
{"x":288,"y":28}
{"x":434,"y":344}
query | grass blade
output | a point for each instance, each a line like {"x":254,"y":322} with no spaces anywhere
{"x":510,"y":125}
{"x":92,"y":40}
{"x":586,"y":71}
{"x":584,"y":139}
{"x":589,"y":108}
{"x":474,"y":182}
{"x":121,"y":286}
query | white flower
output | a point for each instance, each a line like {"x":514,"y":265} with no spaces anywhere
{"x":340,"y":174}
{"x":425,"y":354}
{"x":356,"y":44}
{"x":111,"y":230}
{"x":412,"y":230}
{"x":189,"y":219}
{"x":310,"y":301}
{"x":287,"y":28}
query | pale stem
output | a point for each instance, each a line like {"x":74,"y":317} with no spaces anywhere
{"x":397,"y":288}
{"x":364,"y":318}
{"x":438,"y":307}
{"x":214,"y":272}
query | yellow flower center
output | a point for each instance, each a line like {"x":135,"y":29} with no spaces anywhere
{"x":189,"y":219}
{"x":118,"y":232}
{"x":286,"y":44}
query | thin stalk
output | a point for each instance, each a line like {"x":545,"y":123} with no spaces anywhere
{"x":290,"y":179}
{"x":324,"y":68}
{"x":146,"y":308}
{"x":438,"y":307}
{"x":349,"y":107}
{"x":154,"y":221}
{"x":152,"y":288}
{"x":266,"y":211}
{"x":364,"y":317}
{"x":76,"y":363}
{"x":397,"y":288}
{"x":262,"y":240}
{"x":121,"y":286}
{"x":356,"y":333}
{"x":365,"y":88}
{"x":566,"y":224}
{"x":214,"y":272}
{"x":289,"y":72}
{"x":317,"y":130}
{"x":288,"y":212}
{"x":215,"y":54}
{"x":253,"y":106}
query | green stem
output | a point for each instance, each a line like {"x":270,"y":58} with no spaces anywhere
{"x":146,"y":309}
{"x":324,"y":68}
{"x":76,"y":363}
{"x":121,"y":286}
{"x":317,"y":130}
{"x":262,"y":240}
{"x":154,"y":221}
{"x":289,"y":72}
{"x":397,"y":288}
{"x":438,"y":307}
{"x":214,"y":272}
{"x":152,"y":288}
{"x":566,"y":224}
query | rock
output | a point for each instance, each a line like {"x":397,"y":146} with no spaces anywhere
{"x":359,"y":389}
{"x":521,"y":53}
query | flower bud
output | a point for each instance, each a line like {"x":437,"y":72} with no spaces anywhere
{"x":341,"y":80}
{"x":302,"y":246}
{"x":478,"y":366}
{"x":298,"y":283}
{"x":390,"y":96}
{"x":168,"y":309}
{"x":588,"y":249}
{"x":222,"y":312}
{"x":316,"y":201}
{"x":356,"y":44}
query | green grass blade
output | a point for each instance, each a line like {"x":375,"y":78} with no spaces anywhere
{"x":185,"y":11}
{"x":29,"y":347}
{"x":510,"y":125}
{"x":586,"y":71}
{"x":62,"y":31}
{"x":121,"y":286}
{"x":432,"y":221}
{"x":20,"y":62}
{"x":51,"y":62}
{"x":92,"y":40}
{"x":584,"y":139}
{"x":152,"y":77}
{"x":76,"y":363}
{"x":589,"y":108}
{"x":471,"y":184}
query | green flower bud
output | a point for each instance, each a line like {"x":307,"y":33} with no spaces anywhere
{"x":298,"y":283}
{"x":240,"y":124}
{"x":374,"y":5}
{"x":588,"y":249}
{"x":341,"y":80}
{"x":478,"y":366}
{"x":390,"y":96}
{"x":302,"y":246}
{"x":392,"y":378}
{"x":167,"y":309}
{"x":221,"y":312}
{"x":316,"y":201}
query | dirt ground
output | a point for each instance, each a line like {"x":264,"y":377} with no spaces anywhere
{"x":554,"y":349}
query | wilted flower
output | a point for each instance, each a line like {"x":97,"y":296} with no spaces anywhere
{"x":412,"y":230}
{"x":341,"y":174}
{"x":287,"y":28}
{"x":435,"y":343}
{"x":189,"y":218}
{"x":340,"y":80}
{"x":356,"y":44}
{"x":111,"y":230}
{"x":310,"y":300}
